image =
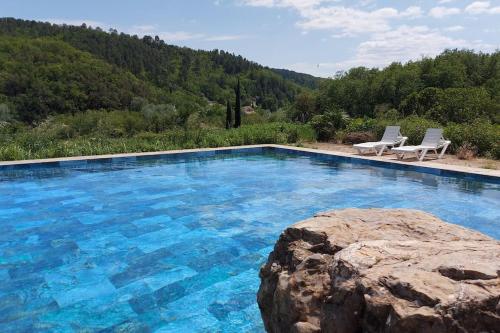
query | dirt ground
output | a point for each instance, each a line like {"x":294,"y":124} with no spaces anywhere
{"x":448,"y":159}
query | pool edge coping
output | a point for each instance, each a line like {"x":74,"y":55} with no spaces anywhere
{"x":428,"y":165}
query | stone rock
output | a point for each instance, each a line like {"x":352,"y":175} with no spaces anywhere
{"x":379,"y":270}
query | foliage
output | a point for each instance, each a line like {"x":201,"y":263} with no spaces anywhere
{"x":456,"y":86}
{"x":358,"y":137}
{"x":229,"y":116}
{"x":40,"y":77}
{"x":466,"y":151}
{"x":458,"y":91}
{"x":327,"y":124}
{"x":451,"y":105}
{"x":46,"y":140}
{"x":301,"y":79}
{"x":481,"y":134}
{"x":147,"y":61}
{"x":6,"y":115}
{"x":304,"y":108}
{"x":237,"y":106}
{"x":415,"y":127}
{"x":160,"y":117}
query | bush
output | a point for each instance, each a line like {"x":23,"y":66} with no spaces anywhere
{"x":12,"y":152}
{"x":466,"y":151}
{"x":43,"y":143}
{"x":481,"y":134}
{"x":6,"y":115}
{"x":358,"y":137}
{"x":375,"y":126}
{"x":161,"y":117}
{"x":326,"y":125}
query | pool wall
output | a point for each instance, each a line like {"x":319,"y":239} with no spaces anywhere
{"x":466,"y":173}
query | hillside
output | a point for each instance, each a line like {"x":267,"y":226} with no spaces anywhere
{"x":43,"y":76}
{"x":456,"y":86}
{"x":147,"y":62}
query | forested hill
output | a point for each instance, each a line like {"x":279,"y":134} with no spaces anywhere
{"x":41,"y":66}
{"x":456,"y":86}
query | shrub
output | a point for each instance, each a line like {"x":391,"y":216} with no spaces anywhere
{"x":41,"y":143}
{"x":327,"y":124}
{"x":12,"y":152}
{"x":466,"y":151}
{"x":161,"y":117}
{"x":481,"y":134}
{"x":375,"y":126}
{"x":358,"y":137}
{"x":6,"y":115}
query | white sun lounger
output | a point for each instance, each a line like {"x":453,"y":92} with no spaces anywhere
{"x":433,"y":140}
{"x":392,"y":137}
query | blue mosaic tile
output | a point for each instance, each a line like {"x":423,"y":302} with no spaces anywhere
{"x":173,"y":243}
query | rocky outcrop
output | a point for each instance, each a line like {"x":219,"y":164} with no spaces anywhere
{"x":381,"y":270}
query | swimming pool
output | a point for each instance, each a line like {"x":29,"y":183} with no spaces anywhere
{"x":173,"y":243}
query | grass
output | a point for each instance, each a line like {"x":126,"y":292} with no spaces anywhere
{"x":35,"y":144}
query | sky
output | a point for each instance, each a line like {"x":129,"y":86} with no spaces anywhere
{"x":318,"y":37}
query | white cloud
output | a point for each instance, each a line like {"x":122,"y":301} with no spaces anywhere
{"x":324,"y":15}
{"x":178,"y":36}
{"x":354,"y":21}
{"x":407,"y":43}
{"x":342,"y":35}
{"x":440,"y":12}
{"x":384,"y":43}
{"x":285,"y":3}
{"x":454,"y":28}
{"x":412,"y":12}
{"x":402,"y":44}
{"x":347,"y":20}
{"x":482,"y":7}
{"x":152,"y":30}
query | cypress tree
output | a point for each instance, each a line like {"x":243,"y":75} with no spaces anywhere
{"x":237,"y":111}
{"x":229,"y":116}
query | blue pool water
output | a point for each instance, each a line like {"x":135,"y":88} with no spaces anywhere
{"x":174,"y":243}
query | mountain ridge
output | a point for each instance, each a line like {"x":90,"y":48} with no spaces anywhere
{"x":176,"y":73}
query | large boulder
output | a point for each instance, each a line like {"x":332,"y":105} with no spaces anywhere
{"x":378,"y":270}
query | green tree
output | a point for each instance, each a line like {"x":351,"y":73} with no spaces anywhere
{"x":304,"y":107}
{"x":6,"y":115}
{"x":237,"y":110}
{"x":457,"y":85}
{"x":229,"y":116}
{"x":327,"y":124}
{"x":52,"y":78}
